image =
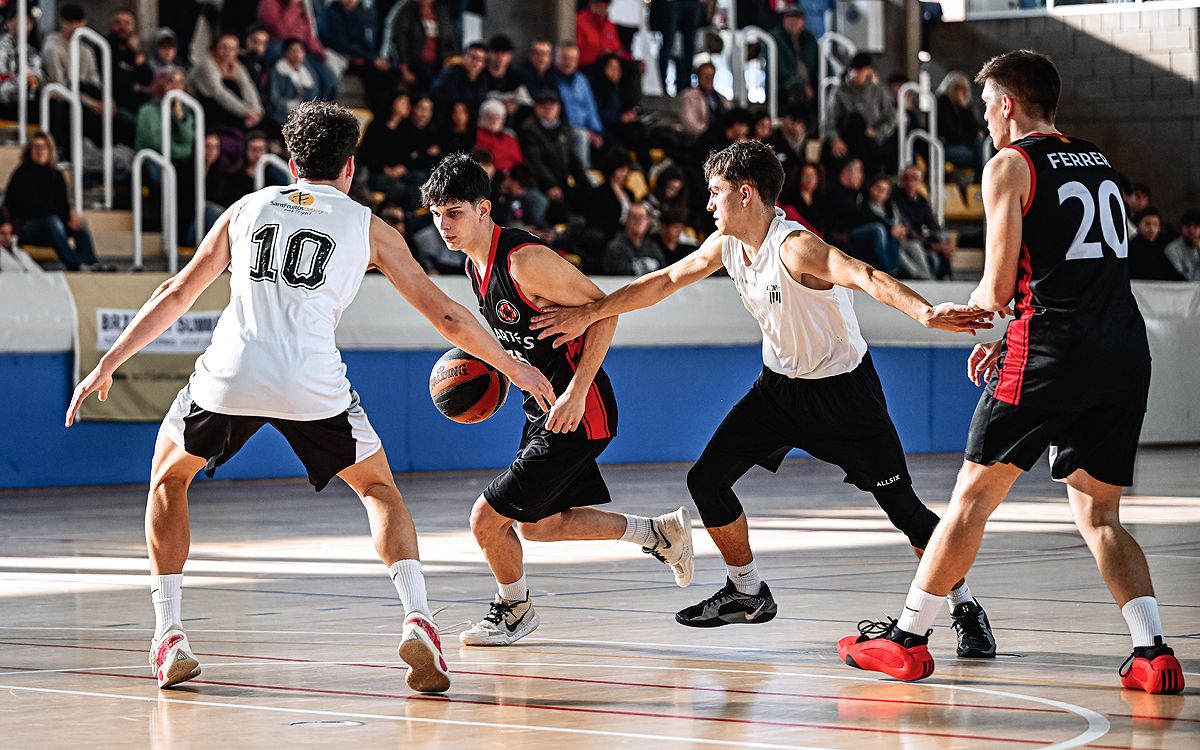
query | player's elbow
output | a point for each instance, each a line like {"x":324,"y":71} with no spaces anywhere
{"x":449,"y":323}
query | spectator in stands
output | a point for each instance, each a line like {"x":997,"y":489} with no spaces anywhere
{"x":960,"y":129}
{"x":578,"y":104}
{"x":761,"y":126}
{"x":464,"y":81}
{"x":288,"y":19}
{"x":621,"y":119}
{"x":629,"y":253}
{"x":863,"y":115}
{"x":798,"y":55}
{"x":12,"y":258}
{"x":395,"y":216}
{"x":546,"y":145}
{"x":383,"y":150}
{"x":37,"y":202}
{"x":803,"y":197}
{"x":896,"y":254}
{"x":1147,"y":256}
{"x":254,"y":59}
{"x":484,"y":159}
{"x":182,"y":18}
{"x":215,"y":173}
{"x":149,"y":118}
{"x":56,"y":57}
{"x":165,"y":52}
{"x":1184,"y":251}
{"x":595,"y":34}
{"x":458,"y":132}
{"x":922,"y":225}
{"x":131,"y":73}
{"x":790,"y":139}
{"x":8,"y":71}
{"x":683,"y":17}
{"x":700,"y":108}
{"x":733,"y":127}
{"x":231,"y":102}
{"x":670,"y":193}
{"x":609,"y":203}
{"x":500,"y":79}
{"x":847,"y":225}
{"x":537,"y":74}
{"x":497,"y":140}
{"x":760,"y":13}
{"x":348,"y":28}
{"x":422,"y":38}
{"x":1139,"y":201}
{"x":519,"y":202}
{"x":241,"y":182}
{"x":422,"y":150}
{"x":668,"y":240}
{"x":292,"y":82}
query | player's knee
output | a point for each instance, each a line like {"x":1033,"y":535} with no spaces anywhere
{"x":908,"y":514}
{"x":1091,"y":517}
{"x":486,"y":523}
{"x":713,"y":495}
{"x":545,"y":530}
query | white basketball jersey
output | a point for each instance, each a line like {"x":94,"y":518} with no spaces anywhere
{"x":807,"y":333}
{"x":298,"y":257}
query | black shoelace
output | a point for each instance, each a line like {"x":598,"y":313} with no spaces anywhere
{"x":875,"y":628}
{"x":498,"y":610}
{"x":653,"y":551}
{"x":1126,"y":666}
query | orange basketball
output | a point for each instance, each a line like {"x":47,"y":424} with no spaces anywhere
{"x":465,"y":388}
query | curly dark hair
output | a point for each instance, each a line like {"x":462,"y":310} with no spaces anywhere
{"x":320,"y":136}
{"x":750,"y":162}
{"x":457,"y":178}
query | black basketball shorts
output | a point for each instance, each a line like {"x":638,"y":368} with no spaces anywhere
{"x":552,"y":472}
{"x":842,"y":420}
{"x":1101,"y":439}
{"x":325,"y":446}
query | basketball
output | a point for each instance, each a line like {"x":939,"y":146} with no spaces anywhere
{"x":465,"y":388}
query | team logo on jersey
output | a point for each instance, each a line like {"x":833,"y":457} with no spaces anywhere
{"x":507,"y":312}
{"x":299,"y":197}
{"x":774,"y":296}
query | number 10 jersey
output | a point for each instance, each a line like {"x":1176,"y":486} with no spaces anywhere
{"x":298,"y":256}
{"x":1078,"y":338}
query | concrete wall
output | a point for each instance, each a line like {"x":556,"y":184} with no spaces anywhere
{"x":1131,"y":83}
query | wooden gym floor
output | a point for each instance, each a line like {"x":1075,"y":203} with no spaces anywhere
{"x":296,"y":624}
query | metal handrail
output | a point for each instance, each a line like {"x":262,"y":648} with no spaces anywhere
{"x":170,"y":220}
{"x":937,"y":171}
{"x":905,"y":89}
{"x":77,"y":121}
{"x":198,"y":147}
{"x":48,"y":91}
{"x":754,"y":33}
{"x":22,"y":70}
{"x":826,"y":82}
{"x":260,"y":169}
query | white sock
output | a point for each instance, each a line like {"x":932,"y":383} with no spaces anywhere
{"x":920,"y":610}
{"x":960,"y":595}
{"x":166,"y":593}
{"x":410,"y":585}
{"x":745,"y":578}
{"x":517,"y":591}
{"x":1142,"y":615}
{"x":639,"y":531}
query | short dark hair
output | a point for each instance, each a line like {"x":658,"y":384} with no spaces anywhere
{"x":1152,"y":211}
{"x":521,"y":174}
{"x":1191,"y":218}
{"x":482,"y":157}
{"x":458,"y":178}
{"x":1140,"y":187}
{"x":673,"y":215}
{"x":320,"y":136}
{"x":1027,"y":76}
{"x":751,"y":162}
{"x":862,"y":60}
{"x":476,"y":46}
{"x":500,"y":43}
{"x":290,"y":42}
{"x":71,"y":12}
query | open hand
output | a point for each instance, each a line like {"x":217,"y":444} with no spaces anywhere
{"x":982,"y":361}
{"x":567,"y":323}
{"x":532,"y":381}
{"x":96,"y":382}
{"x":950,"y":316}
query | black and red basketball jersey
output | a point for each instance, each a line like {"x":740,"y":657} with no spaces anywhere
{"x":508,"y":311}
{"x":1078,"y":338}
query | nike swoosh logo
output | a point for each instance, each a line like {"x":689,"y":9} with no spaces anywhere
{"x":742,"y":575}
{"x":513,"y":628}
{"x":752,"y":616}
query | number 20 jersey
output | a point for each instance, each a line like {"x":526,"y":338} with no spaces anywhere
{"x":1078,"y":338}
{"x":298,"y":256}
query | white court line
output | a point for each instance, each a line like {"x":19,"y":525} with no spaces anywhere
{"x":1098,"y":724}
{"x":94,"y":671}
{"x":418,"y":720}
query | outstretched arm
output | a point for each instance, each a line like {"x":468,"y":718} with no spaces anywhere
{"x":805,"y":254}
{"x":168,"y":302}
{"x":390,"y":254}
{"x":543,"y":275}
{"x":568,"y":323}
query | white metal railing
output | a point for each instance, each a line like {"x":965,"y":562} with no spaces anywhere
{"x":260,"y":169}
{"x":937,"y":171}
{"x":927,"y":103}
{"x":197,"y":148}
{"x":170,"y":219}
{"x":828,"y":83}
{"x":49,"y":91}
{"x":755,"y":34}
{"x":22,"y":70}
{"x":77,"y":115}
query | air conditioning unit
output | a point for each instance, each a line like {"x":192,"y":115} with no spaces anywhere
{"x":862,"y":22}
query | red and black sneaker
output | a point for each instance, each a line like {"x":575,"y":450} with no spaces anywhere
{"x":884,"y":647}
{"x":1153,"y":669}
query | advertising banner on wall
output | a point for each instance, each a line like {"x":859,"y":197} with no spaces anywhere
{"x":146,"y":385}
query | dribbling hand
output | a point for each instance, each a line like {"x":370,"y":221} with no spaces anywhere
{"x":95,"y":382}
{"x":566,"y":323}
{"x":950,"y":316}
{"x":532,"y":381}
{"x":982,"y":361}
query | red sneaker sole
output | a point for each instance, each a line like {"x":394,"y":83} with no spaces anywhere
{"x":1163,"y":676}
{"x":888,"y":657}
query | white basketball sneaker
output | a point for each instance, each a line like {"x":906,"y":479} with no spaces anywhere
{"x":674,"y":547}
{"x":421,"y":650}
{"x":171,"y":658}
{"x":505,"y":623}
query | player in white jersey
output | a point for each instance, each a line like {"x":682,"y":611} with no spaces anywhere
{"x":297,"y":256}
{"x":818,"y":390}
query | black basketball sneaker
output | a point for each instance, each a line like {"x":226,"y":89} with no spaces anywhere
{"x":730,"y":607}
{"x":975,"y":639}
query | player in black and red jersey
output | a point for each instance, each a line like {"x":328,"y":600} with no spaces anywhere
{"x":1072,"y":372}
{"x":547,"y":491}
